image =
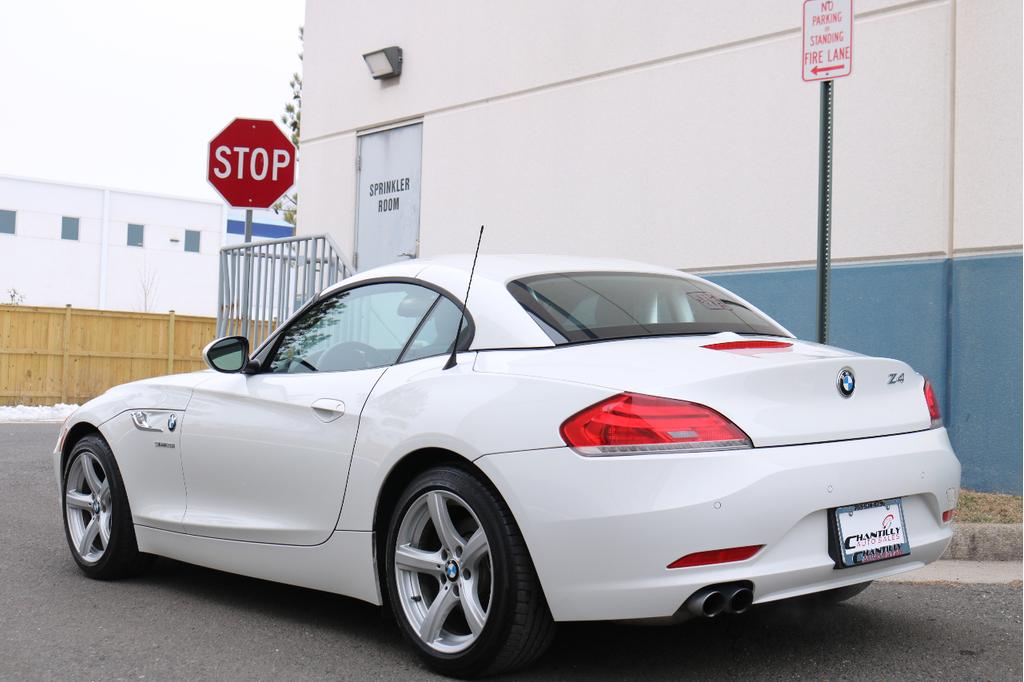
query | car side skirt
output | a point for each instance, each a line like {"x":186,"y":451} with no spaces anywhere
{"x":343,"y":564}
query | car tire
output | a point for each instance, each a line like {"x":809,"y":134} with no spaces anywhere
{"x":497,"y":617}
{"x":839,"y":594}
{"x":97,"y":518}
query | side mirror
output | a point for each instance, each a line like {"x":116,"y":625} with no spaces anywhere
{"x":229,"y":354}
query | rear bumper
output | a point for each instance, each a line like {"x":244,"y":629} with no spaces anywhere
{"x":602,"y":531}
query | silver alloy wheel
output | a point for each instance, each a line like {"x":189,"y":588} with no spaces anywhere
{"x":88,"y":506}
{"x":443,"y":571}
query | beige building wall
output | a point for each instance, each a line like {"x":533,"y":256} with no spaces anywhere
{"x":676,"y":133}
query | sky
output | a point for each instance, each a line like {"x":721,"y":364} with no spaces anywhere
{"x":128,"y":94}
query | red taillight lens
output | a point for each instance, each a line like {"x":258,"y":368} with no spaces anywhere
{"x":947,"y":515}
{"x":933,"y":404}
{"x":630,"y":423}
{"x":749,"y":345}
{"x":716,"y":556}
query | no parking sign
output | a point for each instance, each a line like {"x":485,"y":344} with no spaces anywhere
{"x":828,"y":39}
{"x":827,"y":55}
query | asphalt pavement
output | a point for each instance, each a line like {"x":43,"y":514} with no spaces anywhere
{"x":181,"y":622}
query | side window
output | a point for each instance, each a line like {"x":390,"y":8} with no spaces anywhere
{"x":359,"y":328}
{"x":437,"y":333}
{"x":192,"y":241}
{"x":136,"y":234}
{"x":7,"y":220}
{"x":69,"y":228}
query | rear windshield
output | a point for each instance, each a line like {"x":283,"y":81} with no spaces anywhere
{"x":593,"y":306}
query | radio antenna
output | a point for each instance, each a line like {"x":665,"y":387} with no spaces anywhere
{"x":465,"y":304}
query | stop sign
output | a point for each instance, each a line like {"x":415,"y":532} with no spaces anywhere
{"x":251,"y":163}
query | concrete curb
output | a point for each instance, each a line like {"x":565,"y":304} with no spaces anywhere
{"x":985,"y":542}
{"x":963,"y":572}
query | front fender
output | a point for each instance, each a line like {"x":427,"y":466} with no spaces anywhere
{"x":158,"y":393}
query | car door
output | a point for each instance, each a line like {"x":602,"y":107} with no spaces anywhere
{"x":266,"y":455}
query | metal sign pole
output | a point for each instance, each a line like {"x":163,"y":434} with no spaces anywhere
{"x":246,"y":272}
{"x":824,"y":207}
{"x":240,"y":186}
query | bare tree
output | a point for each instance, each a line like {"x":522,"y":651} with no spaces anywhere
{"x":15,"y":297}
{"x":148,"y":282}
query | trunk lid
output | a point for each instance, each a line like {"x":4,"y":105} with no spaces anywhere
{"x":778,"y":396}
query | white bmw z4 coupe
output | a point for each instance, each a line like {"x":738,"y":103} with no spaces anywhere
{"x":599,"y":413}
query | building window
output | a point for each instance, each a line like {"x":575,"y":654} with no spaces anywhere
{"x":7,"y":222}
{"x":192,"y":241}
{"x":135,"y":234}
{"x":69,"y":228}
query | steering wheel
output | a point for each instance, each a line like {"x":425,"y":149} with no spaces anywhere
{"x":348,"y":355}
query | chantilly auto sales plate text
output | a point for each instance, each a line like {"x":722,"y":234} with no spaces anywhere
{"x":871,"y":532}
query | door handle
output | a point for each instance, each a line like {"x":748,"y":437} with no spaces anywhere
{"x":406,"y":255}
{"x":328,"y":409}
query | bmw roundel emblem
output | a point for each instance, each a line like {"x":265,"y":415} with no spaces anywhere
{"x":451,"y":570}
{"x":845,"y":382}
{"x":172,"y":422}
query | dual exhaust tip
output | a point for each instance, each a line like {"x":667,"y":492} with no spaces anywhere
{"x":708,"y":602}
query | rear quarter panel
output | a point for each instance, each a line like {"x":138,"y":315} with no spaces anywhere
{"x":418,"y":405}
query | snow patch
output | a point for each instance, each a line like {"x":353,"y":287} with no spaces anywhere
{"x":36,"y":413}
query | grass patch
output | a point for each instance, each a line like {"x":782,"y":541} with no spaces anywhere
{"x":975,"y":507}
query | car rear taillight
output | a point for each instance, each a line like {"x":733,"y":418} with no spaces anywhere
{"x":630,"y":423}
{"x":716,"y":556}
{"x":947,"y":515}
{"x":933,"y":404}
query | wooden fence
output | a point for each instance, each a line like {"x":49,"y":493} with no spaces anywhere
{"x":69,"y":355}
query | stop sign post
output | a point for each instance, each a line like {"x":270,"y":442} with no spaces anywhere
{"x":251,"y":163}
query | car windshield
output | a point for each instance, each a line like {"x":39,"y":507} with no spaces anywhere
{"x":591,"y":306}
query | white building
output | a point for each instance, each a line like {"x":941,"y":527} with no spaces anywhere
{"x":95,"y":247}
{"x":681,"y":133}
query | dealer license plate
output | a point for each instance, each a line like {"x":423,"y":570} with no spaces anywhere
{"x":870,"y":532}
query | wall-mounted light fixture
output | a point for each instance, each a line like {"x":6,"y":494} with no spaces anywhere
{"x":385,"y":63}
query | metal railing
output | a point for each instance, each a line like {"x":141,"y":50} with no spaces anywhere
{"x":263,"y":283}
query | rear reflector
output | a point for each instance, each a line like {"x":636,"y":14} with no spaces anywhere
{"x":748,"y":345}
{"x":634,"y":424}
{"x":933,"y":404}
{"x":716,"y":556}
{"x":947,"y":515}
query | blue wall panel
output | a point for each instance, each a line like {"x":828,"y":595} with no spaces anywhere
{"x":894,"y":310}
{"x":261,"y":230}
{"x":902,"y":310}
{"x":986,"y":371}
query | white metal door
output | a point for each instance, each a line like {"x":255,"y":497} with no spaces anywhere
{"x":388,"y":222}
{"x":266,"y":457}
